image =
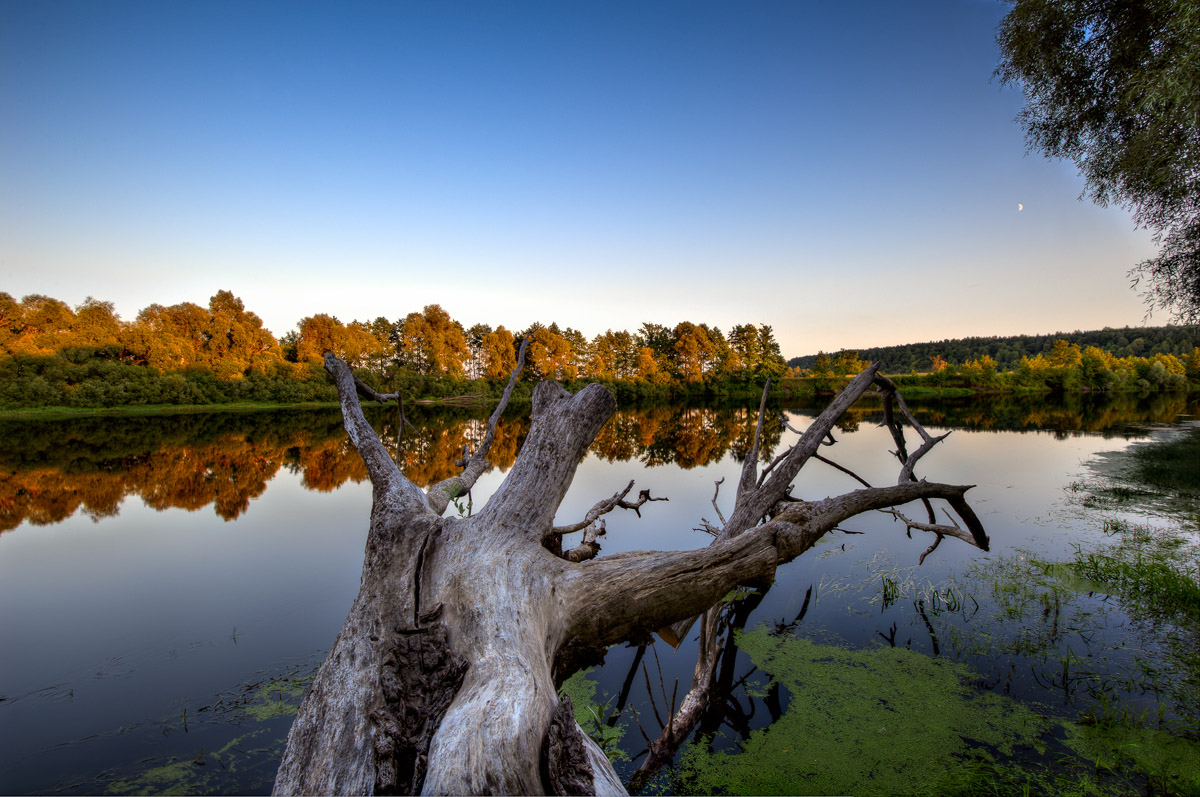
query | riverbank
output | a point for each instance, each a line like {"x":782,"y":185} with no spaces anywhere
{"x":51,"y":413}
{"x":790,"y":391}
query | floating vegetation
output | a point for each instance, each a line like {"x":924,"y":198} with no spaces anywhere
{"x":279,"y":697}
{"x":891,"y":721}
{"x":231,"y":743}
{"x":600,"y":722}
{"x":1162,"y":475}
{"x":877,"y":721}
{"x":204,"y":774}
{"x":1172,"y":465}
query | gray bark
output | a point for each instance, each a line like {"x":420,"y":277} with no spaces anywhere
{"x":443,"y":678}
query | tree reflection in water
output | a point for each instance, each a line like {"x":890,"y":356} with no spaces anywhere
{"x":50,"y":470}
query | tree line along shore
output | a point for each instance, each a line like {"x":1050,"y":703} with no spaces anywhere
{"x":52,"y":355}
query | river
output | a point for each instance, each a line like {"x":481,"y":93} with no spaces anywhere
{"x":169,"y":582}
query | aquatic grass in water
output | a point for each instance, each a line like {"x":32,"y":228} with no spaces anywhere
{"x":1156,"y":569}
{"x":215,"y":759}
{"x":1171,"y":466}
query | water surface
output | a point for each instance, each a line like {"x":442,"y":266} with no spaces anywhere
{"x":166,"y":582}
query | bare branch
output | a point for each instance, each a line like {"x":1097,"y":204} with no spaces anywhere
{"x":562,"y":426}
{"x":749,"y":478}
{"x":385,"y":474}
{"x":643,"y":497}
{"x":617,"y":501}
{"x":847,"y":471}
{"x":936,"y":542}
{"x":590,"y":547}
{"x":909,"y":461}
{"x":716,"y":492}
{"x":934,"y":528}
{"x":475,"y":465}
{"x":754,"y":503}
{"x":486,"y":444}
{"x":368,"y":392}
{"x":634,"y":593}
{"x":767,"y":470}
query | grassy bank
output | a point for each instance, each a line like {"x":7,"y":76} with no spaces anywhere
{"x":51,"y":413}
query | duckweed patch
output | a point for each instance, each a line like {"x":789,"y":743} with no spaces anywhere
{"x":891,"y":721}
{"x":875,"y":721}
{"x":277,"y":698}
{"x":600,"y":722}
{"x":205,"y":774}
{"x":231,"y":744}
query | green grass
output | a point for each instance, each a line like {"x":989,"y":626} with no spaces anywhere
{"x":51,"y":413}
{"x":1157,"y":570}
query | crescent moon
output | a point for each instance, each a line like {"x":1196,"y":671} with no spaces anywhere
{"x":1020,"y":207}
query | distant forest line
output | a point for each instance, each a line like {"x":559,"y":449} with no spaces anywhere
{"x":1008,"y":351}
{"x":53,"y":355}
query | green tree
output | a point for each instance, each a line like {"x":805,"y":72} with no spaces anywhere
{"x":96,"y":324}
{"x":236,"y":341}
{"x":475,"y":335}
{"x":550,"y":355}
{"x":169,"y":338}
{"x":744,"y":341}
{"x":770,"y":362}
{"x":1114,"y":86}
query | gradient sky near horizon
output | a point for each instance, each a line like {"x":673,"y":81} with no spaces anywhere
{"x":849,"y":173}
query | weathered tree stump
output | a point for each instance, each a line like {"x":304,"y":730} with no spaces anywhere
{"x":443,"y":678}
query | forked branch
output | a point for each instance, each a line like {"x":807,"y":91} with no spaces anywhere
{"x":396,"y":491}
{"x":616,"y":501}
{"x":475,"y":465}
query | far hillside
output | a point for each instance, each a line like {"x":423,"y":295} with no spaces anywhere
{"x":1007,"y":352}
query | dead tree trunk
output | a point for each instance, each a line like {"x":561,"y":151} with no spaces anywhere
{"x":442,"y":680}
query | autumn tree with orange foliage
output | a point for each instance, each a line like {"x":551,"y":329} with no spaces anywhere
{"x":499,"y":354}
{"x":431,"y":343}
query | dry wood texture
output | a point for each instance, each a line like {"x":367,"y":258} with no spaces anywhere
{"x":443,"y":678}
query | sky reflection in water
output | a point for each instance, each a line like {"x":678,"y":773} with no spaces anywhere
{"x":117,"y":616}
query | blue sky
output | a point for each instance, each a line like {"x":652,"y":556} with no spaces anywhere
{"x":846,"y":172}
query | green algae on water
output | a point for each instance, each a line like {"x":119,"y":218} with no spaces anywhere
{"x":600,"y":722}
{"x":277,"y":698}
{"x":876,"y":721}
{"x":204,"y":774}
{"x":890,"y":721}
